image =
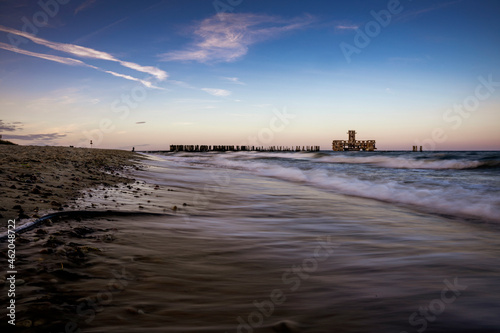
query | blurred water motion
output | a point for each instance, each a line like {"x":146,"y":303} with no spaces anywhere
{"x":255,"y":250}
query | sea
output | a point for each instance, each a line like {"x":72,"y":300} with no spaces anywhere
{"x":320,"y":242}
{"x":461,"y":184}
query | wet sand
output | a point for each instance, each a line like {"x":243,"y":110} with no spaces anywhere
{"x":36,"y":180}
{"x":60,"y":259}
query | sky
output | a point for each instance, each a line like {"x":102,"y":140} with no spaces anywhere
{"x":148,"y":74}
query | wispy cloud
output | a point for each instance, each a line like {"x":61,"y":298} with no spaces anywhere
{"x":72,"y":62}
{"x":64,"y":96}
{"x":234,"y":80}
{"x":62,"y":60}
{"x":9,"y":127}
{"x":140,"y":122}
{"x":48,"y":136}
{"x":415,"y":13}
{"x":182,"y":84}
{"x":346,"y":27}
{"x":217,"y":92}
{"x":229,"y":38}
{"x":85,"y":52}
{"x":84,"y":6}
{"x":156,"y":72}
{"x":128,"y":77}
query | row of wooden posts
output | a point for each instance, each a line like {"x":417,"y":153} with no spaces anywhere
{"x":204,"y":148}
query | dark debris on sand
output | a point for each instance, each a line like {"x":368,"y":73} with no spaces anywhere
{"x":36,"y":178}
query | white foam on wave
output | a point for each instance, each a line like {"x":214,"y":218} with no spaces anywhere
{"x":402,"y":162}
{"x":284,"y":155}
{"x":394,"y":162}
{"x":452,"y":200}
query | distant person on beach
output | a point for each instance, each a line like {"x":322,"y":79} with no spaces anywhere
{"x":133,"y":148}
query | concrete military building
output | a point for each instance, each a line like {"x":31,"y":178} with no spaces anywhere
{"x":352,"y":144}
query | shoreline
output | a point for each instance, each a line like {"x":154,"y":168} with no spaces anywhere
{"x":40,"y":180}
{"x":131,"y":260}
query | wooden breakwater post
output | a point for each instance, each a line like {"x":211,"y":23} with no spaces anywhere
{"x":224,"y":148}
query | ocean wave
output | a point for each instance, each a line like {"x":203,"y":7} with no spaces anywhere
{"x":452,"y":200}
{"x":405,"y":163}
{"x":434,"y":162}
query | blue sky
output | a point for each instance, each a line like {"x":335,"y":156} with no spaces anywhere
{"x":153,"y":73}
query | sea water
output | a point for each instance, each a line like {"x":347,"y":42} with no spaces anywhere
{"x":322,"y":242}
{"x":462,"y":184}
{"x":302,"y":242}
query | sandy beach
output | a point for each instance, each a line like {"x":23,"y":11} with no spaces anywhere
{"x":35,"y":180}
{"x":61,"y":258}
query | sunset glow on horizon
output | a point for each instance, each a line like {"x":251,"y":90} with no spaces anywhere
{"x":148,"y":74}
